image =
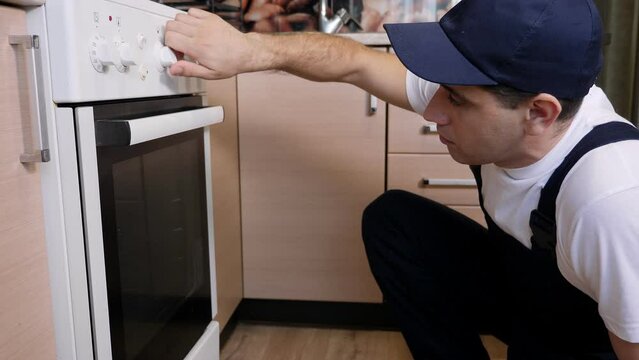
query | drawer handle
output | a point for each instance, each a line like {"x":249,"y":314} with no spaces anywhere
{"x":372,"y":105}
{"x":449,"y":182}
{"x":429,"y":129}
{"x":38,"y":107}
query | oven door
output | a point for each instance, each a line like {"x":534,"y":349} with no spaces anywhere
{"x":147,"y":211}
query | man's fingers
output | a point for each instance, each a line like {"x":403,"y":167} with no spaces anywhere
{"x":188,"y":34}
{"x":189,"y":69}
{"x":187,"y":19}
{"x":199,"y":13}
{"x":181,"y":28}
{"x":179,"y":42}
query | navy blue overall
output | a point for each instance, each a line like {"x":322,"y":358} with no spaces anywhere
{"x":448,"y":279}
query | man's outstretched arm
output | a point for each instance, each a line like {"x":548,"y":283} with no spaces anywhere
{"x":222,"y":51}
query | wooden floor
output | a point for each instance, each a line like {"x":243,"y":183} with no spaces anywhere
{"x":266,"y":342}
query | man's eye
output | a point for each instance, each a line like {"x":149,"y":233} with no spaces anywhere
{"x":452,"y":100}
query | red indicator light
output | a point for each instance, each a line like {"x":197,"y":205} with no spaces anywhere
{"x":110,"y":18}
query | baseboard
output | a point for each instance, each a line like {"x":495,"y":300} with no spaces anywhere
{"x":372,"y":316}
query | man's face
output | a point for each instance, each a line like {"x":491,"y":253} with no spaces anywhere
{"x":476,"y":128}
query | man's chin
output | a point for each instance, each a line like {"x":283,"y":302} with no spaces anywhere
{"x":466,"y":160}
{"x":459,"y":157}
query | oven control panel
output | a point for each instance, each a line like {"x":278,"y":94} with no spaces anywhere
{"x":111,"y":49}
{"x":119,"y":53}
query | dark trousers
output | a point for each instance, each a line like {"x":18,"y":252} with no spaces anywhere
{"x":448,"y":279}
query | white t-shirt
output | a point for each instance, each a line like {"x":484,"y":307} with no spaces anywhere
{"x":597,"y":209}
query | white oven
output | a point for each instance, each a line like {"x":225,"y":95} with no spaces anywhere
{"x":126,"y":181}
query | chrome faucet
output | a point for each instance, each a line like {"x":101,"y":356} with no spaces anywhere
{"x":335,"y":23}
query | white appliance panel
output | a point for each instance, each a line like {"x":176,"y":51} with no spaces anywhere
{"x":208,"y":347}
{"x":137,"y":23}
{"x":65,"y":29}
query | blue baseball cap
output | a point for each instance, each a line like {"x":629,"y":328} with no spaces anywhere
{"x":537,"y":46}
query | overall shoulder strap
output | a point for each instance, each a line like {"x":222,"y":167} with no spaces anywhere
{"x":542,"y":219}
{"x":476,"y":169}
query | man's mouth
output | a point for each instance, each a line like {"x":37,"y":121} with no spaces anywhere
{"x":444,"y":140}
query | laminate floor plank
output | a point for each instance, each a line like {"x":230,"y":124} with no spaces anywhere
{"x":268,"y":342}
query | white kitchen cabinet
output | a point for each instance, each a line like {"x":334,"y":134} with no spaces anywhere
{"x":26,"y":322}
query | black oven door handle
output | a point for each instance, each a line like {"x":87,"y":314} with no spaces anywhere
{"x":139,"y":130}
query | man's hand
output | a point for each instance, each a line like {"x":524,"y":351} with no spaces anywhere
{"x":218,"y":49}
{"x":623,"y":349}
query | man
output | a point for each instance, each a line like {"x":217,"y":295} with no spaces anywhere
{"x":510,"y":86}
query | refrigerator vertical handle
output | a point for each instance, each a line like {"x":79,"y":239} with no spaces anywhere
{"x":37,"y":105}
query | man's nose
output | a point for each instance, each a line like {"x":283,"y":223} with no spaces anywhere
{"x":436,"y":109}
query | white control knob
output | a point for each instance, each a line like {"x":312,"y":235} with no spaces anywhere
{"x":167,"y":57}
{"x":123,"y":54}
{"x":100,"y":53}
{"x":126,"y":54}
{"x":164,"y":57}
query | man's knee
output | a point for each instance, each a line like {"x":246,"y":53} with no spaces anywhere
{"x":381,"y":207}
{"x":378,"y":216}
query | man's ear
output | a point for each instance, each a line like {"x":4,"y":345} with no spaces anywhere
{"x":543,"y":111}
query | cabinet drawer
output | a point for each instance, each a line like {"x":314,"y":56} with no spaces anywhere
{"x":473,"y":212}
{"x":408,"y":132}
{"x":447,"y":177}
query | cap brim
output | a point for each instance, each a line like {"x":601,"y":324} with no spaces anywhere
{"x":427,"y":52}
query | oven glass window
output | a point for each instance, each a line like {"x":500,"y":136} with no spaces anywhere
{"x":154,"y":221}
